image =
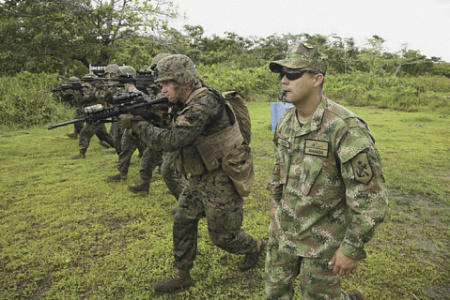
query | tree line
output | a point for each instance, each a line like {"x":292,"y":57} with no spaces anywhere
{"x":66,"y":36}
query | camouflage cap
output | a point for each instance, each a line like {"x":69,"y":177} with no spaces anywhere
{"x":178,"y":68}
{"x":127,"y":70}
{"x":300,"y":57}
{"x":156,"y":60}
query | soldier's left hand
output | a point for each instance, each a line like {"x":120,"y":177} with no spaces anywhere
{"x":343,"y":265}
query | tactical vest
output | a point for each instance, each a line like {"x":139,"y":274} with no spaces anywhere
{"x":227,"y":149}
{"x":206,"y":152}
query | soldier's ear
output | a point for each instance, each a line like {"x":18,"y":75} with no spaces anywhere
{"x":318,"y":79}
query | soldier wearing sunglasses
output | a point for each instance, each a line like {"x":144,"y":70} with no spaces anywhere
{"x":328,"y":193}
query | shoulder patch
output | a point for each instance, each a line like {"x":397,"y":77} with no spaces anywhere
{"x":361,"y":168}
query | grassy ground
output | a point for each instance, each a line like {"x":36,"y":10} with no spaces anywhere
{"x":66,"y":233}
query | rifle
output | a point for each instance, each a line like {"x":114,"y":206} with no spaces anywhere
{"x":142,"y":81}
{"x":76,"y":87}
{"x":98,"y":113}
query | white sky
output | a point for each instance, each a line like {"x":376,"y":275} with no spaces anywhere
{"x":423,"y":25}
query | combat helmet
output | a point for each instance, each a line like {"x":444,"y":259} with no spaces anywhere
{"x":127,"y":71}
{"x":74,"y":80}
{"x":89,"y":76}
{"x":112,"y":69}
{"x":178,"y":68}
{"x":156,"y":60}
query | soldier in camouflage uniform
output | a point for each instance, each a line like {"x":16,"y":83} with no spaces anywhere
{"x":111,"y":71}
{"x":174,"y":181}
{"x":328,"y":192}
{"x":151,"y":158}
{"x":209,"y":191}
{"x":73,"y":98}
{"x":91,"y":97}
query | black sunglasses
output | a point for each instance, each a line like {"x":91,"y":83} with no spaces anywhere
{"x":295,"y":74}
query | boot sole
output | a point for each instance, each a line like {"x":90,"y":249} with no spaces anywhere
{"x":173,"y":291}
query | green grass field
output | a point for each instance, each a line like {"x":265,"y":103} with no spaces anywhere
{"x":66,"y":233}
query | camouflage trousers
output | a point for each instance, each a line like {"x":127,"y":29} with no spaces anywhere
{"x":77,"y":127}
{"x":174,"y":180}
{"x":211,"y":195}
{"x":88,"y":132}
{"x":150,"y":158}
{"x":317,"y":280}
{"x":116,"y":133}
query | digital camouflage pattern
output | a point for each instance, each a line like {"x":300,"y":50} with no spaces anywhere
{"x":327,"y":187}
{"x":156,"y":60}
{"x":172,"y":178}
{"x":300,"y":57}
{"x":317,"y":280}
{"x":74,"y":80}
{"x":210,"y":194}
{"x":178,"y":68}
{"x":112,"y":69}
{"x":321,"y":203}
{"x":151,"y":158}
{"x":91,"y":96}
{"x":127,"y":70}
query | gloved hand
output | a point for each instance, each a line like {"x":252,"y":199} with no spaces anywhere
{"x":125,"y":121}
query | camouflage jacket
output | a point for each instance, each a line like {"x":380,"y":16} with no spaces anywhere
{"x":327,"y":183}
{"x":203,"y":115}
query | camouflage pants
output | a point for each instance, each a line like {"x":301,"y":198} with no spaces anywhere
{"x":150,"y":160}
{"x":77,"y":127}
{"x":317,"y":280}
{"x":129,"y":143}
{"x":88,"y":132}
{"x":174,"y":180}
{"x":116,"y":133}
{"x":211,"y":195}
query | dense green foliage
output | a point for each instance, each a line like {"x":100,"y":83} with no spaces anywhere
{"x":65,"y":37}
{"x":68,"y":234}
{"x":24,"y":102}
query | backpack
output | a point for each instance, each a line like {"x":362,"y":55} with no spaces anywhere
{"x":242,"y":114}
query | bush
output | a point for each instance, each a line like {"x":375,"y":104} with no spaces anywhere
{"x":250,"y":82}
{"x":24,"y":103}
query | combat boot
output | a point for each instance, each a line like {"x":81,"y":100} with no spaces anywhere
{"x":104,"y":144}
{"x":181,"y":280}
{"x":356,"y":294}
{"x":251,"y":259}
{"x":80,"y":155}
{"x":120,"y":176}
{"x":72,"y":135}
{"x":142,"y":187}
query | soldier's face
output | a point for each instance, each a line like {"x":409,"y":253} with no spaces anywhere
{"x":298,"y":90}
{"x":168,"y":89}
{"x":174,"y":91}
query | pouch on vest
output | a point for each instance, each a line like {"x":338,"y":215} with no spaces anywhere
{"x":238,"y":165}
{"x":191,"y":162}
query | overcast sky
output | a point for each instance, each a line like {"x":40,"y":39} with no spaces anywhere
{"x":423,"y":25}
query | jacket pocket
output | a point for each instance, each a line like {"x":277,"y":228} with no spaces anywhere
{"x":307,"y":173}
